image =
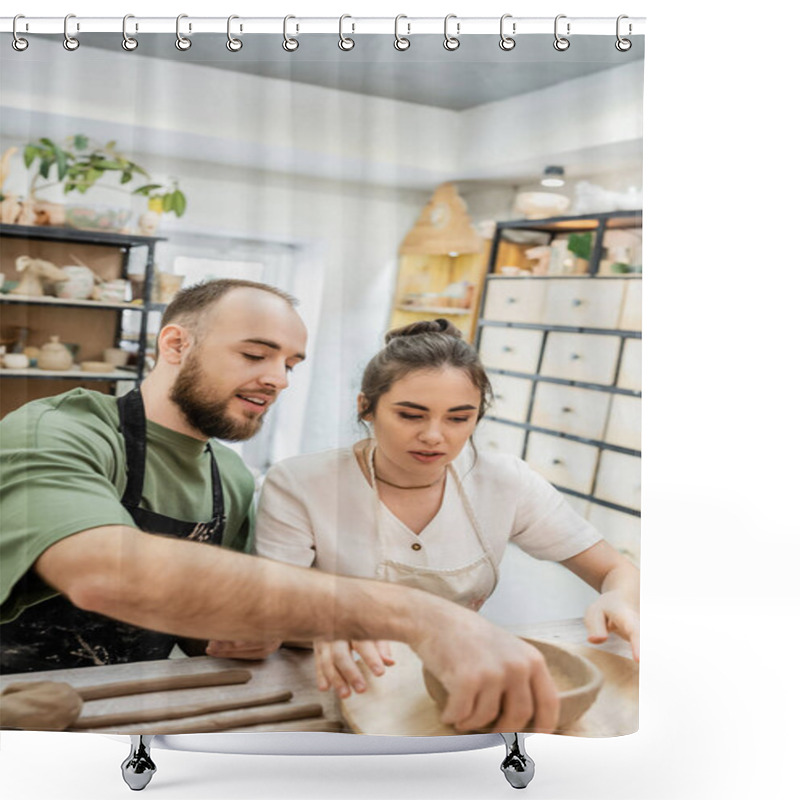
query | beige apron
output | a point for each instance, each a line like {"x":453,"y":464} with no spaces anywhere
{"x":469,"y":585}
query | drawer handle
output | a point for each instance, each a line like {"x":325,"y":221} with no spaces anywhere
{"x":576,"y":302}
{"x":557,"y":461}
{"x":499,"y":397}
{"x":507,"y":349}
{"x":511,"y":299}
{"x":566,"y":410}
{"x":575,"y":356}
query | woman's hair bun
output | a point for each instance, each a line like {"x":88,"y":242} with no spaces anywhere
{"x":426,"y":326}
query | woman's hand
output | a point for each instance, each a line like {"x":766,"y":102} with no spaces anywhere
{"x":251,"y":651}
{"x":612,"y":613}
{"x":337,"y":668}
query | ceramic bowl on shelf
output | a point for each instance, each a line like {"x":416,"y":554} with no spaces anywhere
{"x":79,"y":284}
{"x":98,"y":218}
{"x":15,"y":361}
{"x":541,"y":205}
{"x":97,"y":366}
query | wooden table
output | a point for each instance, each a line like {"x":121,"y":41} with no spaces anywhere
{"x":291,"y":669}
{"x":288,"y":669}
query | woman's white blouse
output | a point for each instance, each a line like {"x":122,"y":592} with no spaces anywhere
{"x":319,"y":510}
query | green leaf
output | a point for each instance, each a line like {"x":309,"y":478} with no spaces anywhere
{"x":44,"y":167}
{"x":92,"y":175}
{"x":49,"y":143}
{"x":178,"y":202}
{"x":126,"y":177}
{"x":104,"y":163}
{"x":147,"y":188}
{"x":31,"y":153}
{"x":168,"y":202}
{"x":81,"y":142}
{"x":138,"y":169}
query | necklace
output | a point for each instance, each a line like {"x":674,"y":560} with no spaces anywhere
{"x":370,"y":460}
{"x":397,"y":486}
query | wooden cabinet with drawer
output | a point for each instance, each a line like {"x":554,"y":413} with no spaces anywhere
{"x":619,"y":479}
{"x":579,"y":340}
{"x":569,"y":409}
{"x":515,"y":299}
{"x":494,"y":437}
{"x":561,"y":461}
{"x":512,"y":397}
{"x":622,"y":531}
{"x":513,"y":349}
{"x":585,"y":357}
{"x":584,"y":303}
{"x":624,"y":427}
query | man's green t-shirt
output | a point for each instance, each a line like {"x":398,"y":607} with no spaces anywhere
{"x":63,"y":470}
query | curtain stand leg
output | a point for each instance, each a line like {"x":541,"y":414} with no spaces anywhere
{"x":517,"y":766}
{"x":138,"y":768}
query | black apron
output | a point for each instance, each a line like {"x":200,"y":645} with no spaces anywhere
{"x":55,"y":634}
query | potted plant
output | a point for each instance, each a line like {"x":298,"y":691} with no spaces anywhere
{"x":79,"y":165}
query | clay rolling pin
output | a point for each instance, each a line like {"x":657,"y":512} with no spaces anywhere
{"x":177,"y":712}
{"x":226,"y":677}
{"x":224,"y":722}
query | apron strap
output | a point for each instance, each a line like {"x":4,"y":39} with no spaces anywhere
{"x":133,"y":426}
{"x":216,"y":486}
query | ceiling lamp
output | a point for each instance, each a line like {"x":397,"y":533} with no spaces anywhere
{"x":553,"y":176}
{"x":443,"y":228}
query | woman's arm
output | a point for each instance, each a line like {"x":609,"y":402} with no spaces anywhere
{"x":617,"y":580}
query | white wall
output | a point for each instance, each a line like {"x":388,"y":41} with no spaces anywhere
{"x":324,"y":169}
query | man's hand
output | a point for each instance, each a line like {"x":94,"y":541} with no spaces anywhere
{"x":336,"y":667}
{"x":612,"y":613}
{"x":251,"y":651}
{"x":493,"y":679}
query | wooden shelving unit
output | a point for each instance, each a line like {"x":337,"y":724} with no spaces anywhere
{"x":92,"y":325}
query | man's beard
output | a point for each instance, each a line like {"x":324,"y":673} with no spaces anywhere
{"x":206,"y":413}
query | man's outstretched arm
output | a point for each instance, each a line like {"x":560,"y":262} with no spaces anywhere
{"x":196,"y":590}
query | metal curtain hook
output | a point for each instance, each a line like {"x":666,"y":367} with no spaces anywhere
{"x":451,"y":42}
{"x":289,"y":44}
{"x":623,"y":45}
{"x":344,"y":42}
{"x":233,"y":44}
{"x":401,"y":43}
{"x":18,"y":43}
{"x":70,"y":42}
{"x":507,"y":42}
{"x":561,"y":43}
{"x":128,"y":42}
{"x":181,"y":42}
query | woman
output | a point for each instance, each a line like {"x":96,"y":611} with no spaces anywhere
{"x":413,"y":504}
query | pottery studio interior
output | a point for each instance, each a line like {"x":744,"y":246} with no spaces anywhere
{"x":506,"y":202}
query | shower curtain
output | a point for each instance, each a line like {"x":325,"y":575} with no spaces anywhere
{"x":493,"y":191}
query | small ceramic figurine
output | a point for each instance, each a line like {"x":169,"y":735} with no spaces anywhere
{"x":47,"y":213}
{"x":36,"y":272}
{"x":54,"y":355}
{"x":148,"y":223}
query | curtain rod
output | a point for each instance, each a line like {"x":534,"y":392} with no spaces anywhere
{"x":406,"y":26}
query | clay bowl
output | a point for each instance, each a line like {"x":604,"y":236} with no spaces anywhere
{"x":578,"y":682}
{"x":97,"y":366}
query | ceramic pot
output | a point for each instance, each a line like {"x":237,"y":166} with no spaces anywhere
{"x":54,"y":355}
{"x":78,"y":285}
{"x":15,"y":360}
